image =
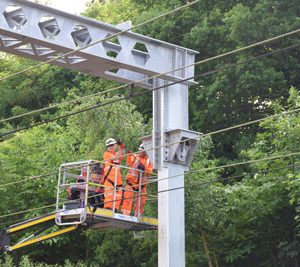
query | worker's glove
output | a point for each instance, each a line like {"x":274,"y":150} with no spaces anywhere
{"x":121,"y":144}
{"x":141,"y":167}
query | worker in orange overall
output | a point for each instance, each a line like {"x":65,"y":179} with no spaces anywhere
{"x":136,"y":179}
{"x":112,"y":179}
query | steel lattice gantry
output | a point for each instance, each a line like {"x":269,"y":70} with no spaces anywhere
{"x":42,"y":33}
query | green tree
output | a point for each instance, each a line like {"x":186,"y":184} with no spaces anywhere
{"x":238,"y":94}
{"x":253,"y":220}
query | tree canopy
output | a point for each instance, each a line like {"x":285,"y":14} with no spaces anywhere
{"x":242,"y":215}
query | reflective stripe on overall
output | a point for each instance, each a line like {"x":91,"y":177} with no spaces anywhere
{"x":113,"y":177}
{"x":132,"y":186}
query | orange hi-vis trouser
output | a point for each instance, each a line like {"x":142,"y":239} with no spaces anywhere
{"x":112,"y":196}
{"x":132,"y":187}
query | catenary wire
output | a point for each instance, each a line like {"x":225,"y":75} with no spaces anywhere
{"x":207,"y":134}
{"x":203,"y":135}
{"x":52,"y":205}
{"x":150,"y":90}
{"x":189,"y":185}
{"x":174,"y":176}
{"x":25,"y":211}
{"x":202,"y":182}
{"x":55,"y":173}
{"x":211,"y":133}
{"x":28,"y":179}
{"x":228,"y":165}
{"x":143,"y":80}
{"x":223,"y":179}
{"x":102,"y":40}
{"x":161,"y":191}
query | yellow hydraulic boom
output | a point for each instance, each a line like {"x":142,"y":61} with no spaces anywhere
{"x":46,"y":222}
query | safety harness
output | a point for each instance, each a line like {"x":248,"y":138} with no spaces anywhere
{"x":112,"y":182}
{"x":132,"y":173}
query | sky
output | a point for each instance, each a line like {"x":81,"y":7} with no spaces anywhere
{"x":70,"y":6}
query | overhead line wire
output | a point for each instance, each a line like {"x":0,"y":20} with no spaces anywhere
{"x":174,"y":176}
{"x":214,"y":168}
{"x":147,"y":91}
{"x":102,"y":40}
{"x":227,"y":166}
{"x":182,"y":187}
{"x":222,"y":130}
{"x":203,"y":135}
{"x":222,"y":179}
{"x":158,"y":75}
{"x":27,"y":179}
{"x":25,"y":211}
{"x":221,"y":167}
{"x":284,"y":113}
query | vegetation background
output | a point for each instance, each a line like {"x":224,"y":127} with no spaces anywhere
{"x":246,"y":216}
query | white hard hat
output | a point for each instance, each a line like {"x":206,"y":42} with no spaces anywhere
{"x":141,"y":147}
{"x":110,"y":142}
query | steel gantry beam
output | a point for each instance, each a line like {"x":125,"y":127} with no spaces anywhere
{"x":42,"y":33}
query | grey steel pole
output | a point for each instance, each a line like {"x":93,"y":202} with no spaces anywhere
{"x":171,"y":112}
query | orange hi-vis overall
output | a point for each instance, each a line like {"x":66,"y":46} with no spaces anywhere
{"x":112,"y":178}
{"x":133,"y":178}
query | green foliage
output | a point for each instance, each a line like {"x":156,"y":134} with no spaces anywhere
{"x":27,"y":262}
{"x":7,"y":261}
{"x":253,"y":221}
{"x":238,"y":94}
{"x":32,"y":90}
{"x":250,"y":215}
{"x":113,"y":11}
{"x":43,"y":149}
{"x":269,"y":192}
{"x":118,"y":120}
{"x":39,"y":151}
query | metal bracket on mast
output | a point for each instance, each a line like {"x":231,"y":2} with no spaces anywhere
{"x":179,"y":147}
